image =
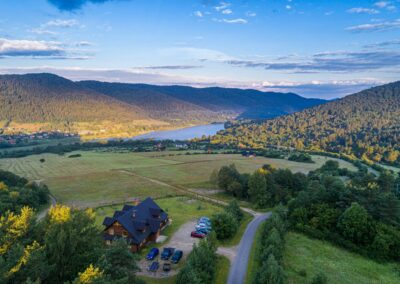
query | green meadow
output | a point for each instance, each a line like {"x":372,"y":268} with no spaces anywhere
{"x":97,"y":178}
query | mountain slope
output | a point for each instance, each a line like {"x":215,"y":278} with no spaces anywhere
{"x":46,"y":102}
{"x":46,"y":97}
{"x":157,"y":105}
{"x":366,"y":124}
{"x":35,"y":102}
{"x":234,"y":102}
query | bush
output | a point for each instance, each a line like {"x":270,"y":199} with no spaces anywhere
{"x":224,"y":225}
{"x":319,"y":278}
{"x":234,"y":209}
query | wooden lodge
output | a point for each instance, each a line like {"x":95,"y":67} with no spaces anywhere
{"x":137,"y":224}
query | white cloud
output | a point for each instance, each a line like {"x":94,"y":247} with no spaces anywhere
{"x":222,"y":6}
{"x":42,"y":31}
{"x":227,"y":11}
{"x":62,"y":23}
{"x":84,"y":43}
{"x":198,"y":14}
{"x":12,"y":48}
{"x":193,"y":53}
{"x":359,"y":10}
{"x":288,"y":7}
{"x":381,"y":4}
{"x":384,"y":26}
{"x":233,"y":21}
{"x":251,"y":14}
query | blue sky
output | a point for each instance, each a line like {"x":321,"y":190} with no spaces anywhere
{"x":314,"y":48}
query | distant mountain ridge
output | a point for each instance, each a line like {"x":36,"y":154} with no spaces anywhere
{"x":46,"y":101}
{"x":245,"y":103}
{"x":365,"y":124}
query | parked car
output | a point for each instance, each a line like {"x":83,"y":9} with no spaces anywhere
{"x":167,"y":253}
{"x":204,"y":220}
{"x":154,"y":266}
{"x":198,"y":234}
{"x":203,"y":227}
{"x":177,"y":256}
{"x":203,"y":223}
{"x":202,"y":231}
{"x":167,"y":267}
{"x":152,"y":254}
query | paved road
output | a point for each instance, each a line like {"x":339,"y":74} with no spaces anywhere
{"x":237,"y":273}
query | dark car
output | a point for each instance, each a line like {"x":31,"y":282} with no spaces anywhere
{"x":167,"y":267}
{"x":197,"y":234}
{"x":167,"y":253}
{"x":177,"y":256}
{"x":154,"y":266}
{"x":152,"y":254}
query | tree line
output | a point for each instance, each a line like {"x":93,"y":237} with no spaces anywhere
{"x":17,"y":192}
{"x":355,"y":210}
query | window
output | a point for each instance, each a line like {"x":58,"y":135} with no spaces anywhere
{"x":111,"y":231}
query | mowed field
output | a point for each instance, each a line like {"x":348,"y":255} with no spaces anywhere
{"x":99,"y":177}
{"x":308,"y":256}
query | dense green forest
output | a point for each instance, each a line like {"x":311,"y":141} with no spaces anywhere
{"x":41,"y":102}
{"x":355,"y":210}
{"x":65,"y":247}
{"x":364,"y":125}
{"x":17,"y":192}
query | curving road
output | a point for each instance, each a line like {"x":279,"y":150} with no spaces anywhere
{"x":237,"y":273}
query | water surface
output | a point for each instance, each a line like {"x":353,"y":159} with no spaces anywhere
{"x":184,"y":133}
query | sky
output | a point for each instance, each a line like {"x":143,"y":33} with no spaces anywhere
{"x":324,"y":49}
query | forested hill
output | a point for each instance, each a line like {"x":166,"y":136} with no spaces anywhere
{"x":47,"y":97}
{"x":366,"y":125}
{"x":235,"y":102}
{"x":34,"y":102}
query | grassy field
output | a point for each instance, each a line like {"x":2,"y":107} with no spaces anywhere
{"x":340,"y":266}
{"x":114,"y":177}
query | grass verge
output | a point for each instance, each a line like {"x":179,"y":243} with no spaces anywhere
{"x":223,"y":265}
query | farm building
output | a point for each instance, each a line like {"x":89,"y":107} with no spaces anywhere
{"x":138,"y":224}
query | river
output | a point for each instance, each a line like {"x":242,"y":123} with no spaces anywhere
{"x":183,"y":133}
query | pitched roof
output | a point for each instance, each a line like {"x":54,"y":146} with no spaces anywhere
{"x":140,"y":220}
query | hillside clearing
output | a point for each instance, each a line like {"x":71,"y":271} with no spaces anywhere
{"x":303,"y":254}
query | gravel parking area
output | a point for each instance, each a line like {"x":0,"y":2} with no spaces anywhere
{"x":181,"y":240}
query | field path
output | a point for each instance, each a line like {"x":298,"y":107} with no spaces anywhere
{"x":44,"y":212}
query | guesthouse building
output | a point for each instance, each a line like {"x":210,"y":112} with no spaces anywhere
{"x":137,"y":224}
